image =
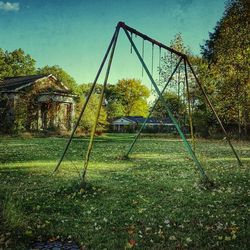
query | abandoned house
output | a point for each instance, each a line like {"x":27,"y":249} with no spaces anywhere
{"x":35,"y":103}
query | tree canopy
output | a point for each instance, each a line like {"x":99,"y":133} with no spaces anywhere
{"x":223,"y":70}
{"x":128,"y":97}
{"x":177,"y":106}
{"x":61,"y":75}
{"x":16,"y":63}
{"x":227,"y":52}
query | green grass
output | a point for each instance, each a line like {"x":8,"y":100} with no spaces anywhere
{"x":154,"y":200}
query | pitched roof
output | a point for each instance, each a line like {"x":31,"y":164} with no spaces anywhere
{"x":151,"y":120}
{"x":19,"y":82}
{"x":137,"y":119}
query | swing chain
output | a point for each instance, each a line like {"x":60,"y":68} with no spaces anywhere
{"x":143,"y":43}
{"x":159,"y":64}
{"x":131,"y":48}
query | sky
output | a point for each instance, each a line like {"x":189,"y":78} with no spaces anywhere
{"x":74,"y":34}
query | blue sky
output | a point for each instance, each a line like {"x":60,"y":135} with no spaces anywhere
{"x":75,"y":34}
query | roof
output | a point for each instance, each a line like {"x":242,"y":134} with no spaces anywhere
{"x":151,"y":120}
{"x":17,"y":83}
{"x":137,"y":119}
{"x":141,"y":119}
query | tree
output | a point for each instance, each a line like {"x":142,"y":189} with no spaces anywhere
{"x":176,"y":105}
{"x":61,"y":75}
{"x":128,"y":97}
{"x":115,"y":108}
{"x":175,"y":94}
{"x":169,"y":60}
{"x":89,"y":115}
{"x":203,"y":117}
{"x":228,"y":51}
{"x":16,"y":63}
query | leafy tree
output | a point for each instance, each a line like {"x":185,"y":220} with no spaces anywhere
{"x":127,"y":97}
{"x":227,"y":51}
{"x":176,"y":105}
{"x":175,"y":93}
{"x":16,"y":63}
{"x":169,"y":60}
{"x":61,"y":75}
{"x":115,"y":108}
{"x":89,"y":115}
{"x":130,"y":96}
{"x":203,"y":117}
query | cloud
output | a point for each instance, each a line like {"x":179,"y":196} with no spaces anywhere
{"x":7,"y":6}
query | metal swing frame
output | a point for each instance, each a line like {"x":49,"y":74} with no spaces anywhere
{"x":182,"y":58}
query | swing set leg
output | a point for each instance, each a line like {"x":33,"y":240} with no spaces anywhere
{"x":215,"y":113}
{"x":91,"y":141}
{"x":188,"y":147}
{"x":189,"y":106}
{"x":151,"y":111}
{"x":85,"y":104}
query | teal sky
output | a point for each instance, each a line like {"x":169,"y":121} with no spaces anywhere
{"x":75,"y":34}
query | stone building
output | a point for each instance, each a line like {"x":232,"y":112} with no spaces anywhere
{"x":35,"y":103}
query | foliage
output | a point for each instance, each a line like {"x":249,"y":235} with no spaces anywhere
{"x":176,"y":105}
{"x":84,"y":88}
{"x":128,"y":97}
{"x":227,"y":51}
{"x":153,"y":201}
{"x":115,"y":109}
{"x":169,"y":60}
{"x":175,"y":93}
{"x":89,"y":115}
{"x":24,"y":113}
{"x":16,"y":63}
{"x":61,"y":75}
{"x":203,"y":117}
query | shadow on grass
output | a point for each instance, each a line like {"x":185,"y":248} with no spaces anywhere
{"x":147,"y":199}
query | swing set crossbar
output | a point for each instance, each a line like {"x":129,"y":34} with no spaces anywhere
{"x":151,"y":40}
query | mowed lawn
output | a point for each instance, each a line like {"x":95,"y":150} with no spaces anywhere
{"x":154,"y":200}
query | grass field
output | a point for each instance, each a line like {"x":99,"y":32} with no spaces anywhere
{"x":154,"y":200}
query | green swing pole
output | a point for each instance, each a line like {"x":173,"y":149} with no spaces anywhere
{"x":188,"y":147}
{"x":91,"y":141}
{"x":189,"y":106}
{"x":85,"y":104}
{"x":151,"y":111}
{"x":215,"y":113}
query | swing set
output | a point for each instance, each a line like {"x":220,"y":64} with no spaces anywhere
{"x":182,"y":58}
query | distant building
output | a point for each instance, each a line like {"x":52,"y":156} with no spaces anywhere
{"x":36,"y":102}
{"x":132,"y":123}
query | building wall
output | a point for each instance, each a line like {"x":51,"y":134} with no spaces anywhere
{"x":23,"y":111}
{"x":7,"y":112}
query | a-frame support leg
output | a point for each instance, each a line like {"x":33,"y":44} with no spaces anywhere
{"x":189,"y":106}
{"x":85,"y":103}
{"x":188,"y":147}
{"x":151,"y":111}
{"x":215,"y":113}
{"x":91,"y":141}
